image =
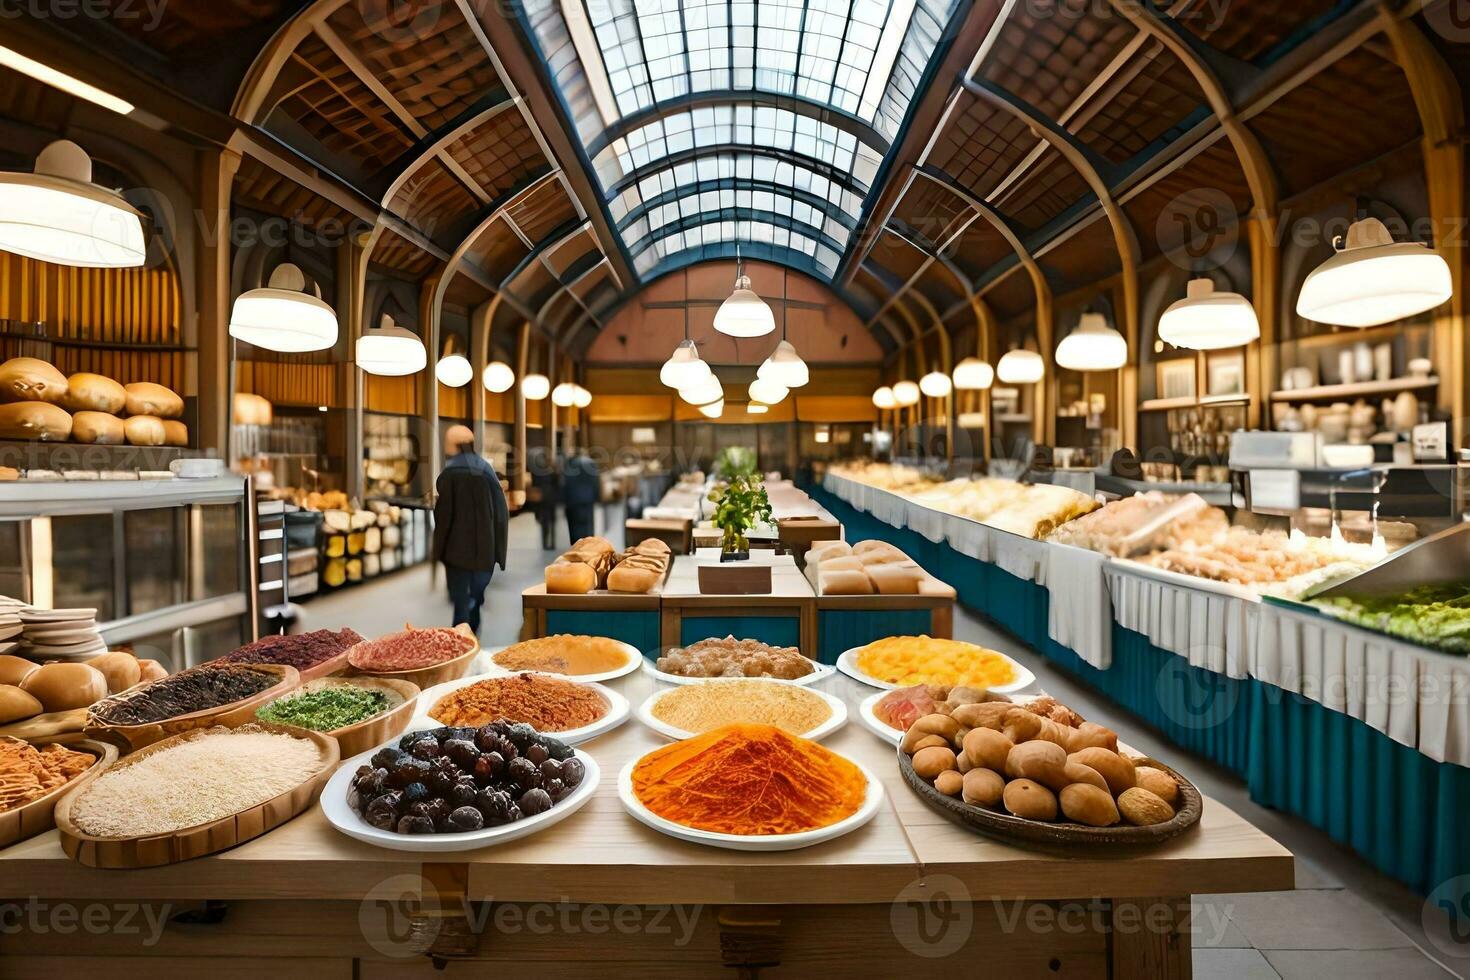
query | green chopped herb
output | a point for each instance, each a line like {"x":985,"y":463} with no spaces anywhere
{"x":325,"y":709}
{"x":1435,"y":616}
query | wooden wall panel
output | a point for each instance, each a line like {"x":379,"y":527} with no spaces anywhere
{"x":289,"y":382}
{"x":454,"y":403}
{"x":395,"y":396}
{"x":118,"y":306}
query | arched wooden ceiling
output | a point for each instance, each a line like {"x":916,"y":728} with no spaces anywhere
{"x":1036,"y":148}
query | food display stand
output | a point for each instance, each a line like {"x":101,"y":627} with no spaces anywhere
{"x":786,"y":617}
{"x":847,"y":621}
{"x":630,"y":617}
{"x":337,"y":907}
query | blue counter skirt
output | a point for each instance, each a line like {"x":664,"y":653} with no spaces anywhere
{"x":1400,"y":810}
{"x":636,"y":628}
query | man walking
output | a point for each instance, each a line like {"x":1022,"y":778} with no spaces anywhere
{"x":581,"y":488}
{"x":470,"y":524}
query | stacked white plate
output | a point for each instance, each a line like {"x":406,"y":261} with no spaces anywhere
{"x":61,"y":634}
{"x":10,"y":624}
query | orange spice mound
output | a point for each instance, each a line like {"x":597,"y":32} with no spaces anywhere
{"x":750,"y":780}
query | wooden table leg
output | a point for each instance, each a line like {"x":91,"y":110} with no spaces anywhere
{"x":671,"y":626}
{"x":1150,"y":938}
{"x":941,"y":622}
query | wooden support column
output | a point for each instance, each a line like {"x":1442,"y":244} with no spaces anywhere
{"x":429,"y":308}
{"x":986,"y":346}
{"x":1126,"y":389}
{"x":520,"y":478}
{"x":1442,"y":117}
{"x":214,"y":383}
{"x":481,"y":319}
{"x":1262,"y":363}
{"x":352,"y":263}
{"x":1043,"y":397}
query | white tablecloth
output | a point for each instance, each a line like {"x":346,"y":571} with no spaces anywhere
{"x":1079,"y":613}
{"x":1211,"y":627}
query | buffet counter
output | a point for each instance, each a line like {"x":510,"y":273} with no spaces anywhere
{"x":1292,"y":701}
{"x":327,"y":903}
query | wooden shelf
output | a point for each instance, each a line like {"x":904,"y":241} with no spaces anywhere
{"x":1191,"y":401}
{"x":1322,"y":392}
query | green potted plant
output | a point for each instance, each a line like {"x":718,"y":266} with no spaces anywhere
{"x":734,"y":462}
{"x":740,"y":504}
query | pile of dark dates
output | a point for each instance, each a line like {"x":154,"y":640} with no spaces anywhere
{"x":457,"y":780}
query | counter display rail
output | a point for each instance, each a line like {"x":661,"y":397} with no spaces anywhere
{"x":1305,"y":708}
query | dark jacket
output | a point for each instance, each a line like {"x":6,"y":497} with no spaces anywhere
{"x":470,"y":517}
{"x":580,"y":486}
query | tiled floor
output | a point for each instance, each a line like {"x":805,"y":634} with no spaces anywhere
{"x":1344,"y":921}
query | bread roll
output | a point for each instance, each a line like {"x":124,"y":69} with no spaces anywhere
{"x":144,"y":430}
{"x":592,"y":543}
{"x":151,"y":670}
{"x":119,"y":667}
{"x":653,"y":546}
{"x":97,"y":427}
{"x":29,"y":379}
{"x":86,"y":392}
{"x":63,"y":686}
{"x":13,"y":670}
{"x":628,"y":577}
{"x":1089,"y":805}
{"x":16,"y":705}
{"x":896,"y":579}
{"x":147,"y":398}
{"x":35,"y":421}
{"x":570,"y":578}
{"x":893,"y":556}
{"x":823,"y":550}
{"x":844,"y":582}
{"x":843,"y":564}
{"x":175,"y":433}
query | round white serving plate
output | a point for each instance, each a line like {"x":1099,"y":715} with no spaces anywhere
{"x":645,"y":714}
{"x":634,"y":659}
{"x":737,"y":842}
{"x":820,"y":672}
{"x":847,"y":663}
{"x":617,"y":711}
{"x":349,"y":822}
{"x":873,"y":723}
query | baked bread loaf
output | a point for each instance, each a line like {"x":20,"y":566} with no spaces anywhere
{"x":87,"y":392}
{"x":844,"y":581}
{"x":628,"y":576}
{"x":34,"y":420}
{"x":97,"y":427}
{"x":823,"y":550}
{"x":175,"y":433}
{"x":894,"y":579}
{"x":570,"y":578}
{"x":143,"y":430}
{"x":147,"y":398}
{"x":30,"y":379}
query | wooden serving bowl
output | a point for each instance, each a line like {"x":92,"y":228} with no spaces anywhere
{"x":206,"y":838}
{"x":133,"y":737}
{"x":1059,"y":836}
{"x":426,"y":677}
{"x":370,"y":732}
{"x":37,"y":816}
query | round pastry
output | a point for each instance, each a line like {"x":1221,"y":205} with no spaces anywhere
{"x":63,"y":686}
{"x":144,"y":430}
{"x":29,"y":379}
{"x":34,"y":421}
{"x":97,"y":427}
{"x":87,"y":392}
{"x":147,"y":398}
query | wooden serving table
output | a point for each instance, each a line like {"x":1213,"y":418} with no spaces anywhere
{"x":630,"y":617}
{"x":674,"y":533}
{"x":786,"y":617}
{"x":600,"y":892}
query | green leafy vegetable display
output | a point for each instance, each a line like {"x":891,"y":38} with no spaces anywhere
{"x":1431,"y":615}
{"x":740,"y":504}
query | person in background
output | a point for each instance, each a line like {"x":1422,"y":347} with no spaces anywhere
{"x":581,"y":489}
{"x":470,"y":524}
{"x":545,"y":493}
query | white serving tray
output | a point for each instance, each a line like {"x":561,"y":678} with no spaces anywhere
{"x":847,"y":663}
{"x":644,"y":712}
{"x":617,"y":713}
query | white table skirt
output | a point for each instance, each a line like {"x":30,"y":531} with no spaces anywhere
{"x":1079,"y":613}
{"x":1210,"y":627}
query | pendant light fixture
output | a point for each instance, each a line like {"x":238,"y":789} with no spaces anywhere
{"x":564,"y":395}
{"x":497,"y":377}
{"x":282,"y":316}
{"x":57,"y":214}
{"x":703,"y":392}
{"x":973,"y":374}
{"x":884,"y":399}
{"x":906,"y":394}
{"x":684,"y":367}
{"x":1020,"y":367}
{"x":453,"y":369}
{"x":1208,"y":320}
{"x":744,"y":314}
{"x":936,"y":384}
{"x":581,"y":397}
{"x":756,"y":408}
{"x":390,"y":351}
{"x":1093,"y":346}
{"x":768,"y":392}
{"x":713,"y":410}
{"x":535,"y":387}
{"x":784,"y":366}
{"x":1373,"y":280}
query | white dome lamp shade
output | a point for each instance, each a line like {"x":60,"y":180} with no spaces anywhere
{"x":767,"y":392}
{"x":744,"y":314}
{"x":906,"y":394}
{"x":1208,"y":320}
{"x":684,"y":367}
{"x":454,"y":369}
{"x":581,"y":397}
{"x":564,"y":395}
{"x":56,"y":214}
{"x":884,"y":400}
{"x":703,"y":392}
{"x":535,"y":387}
{"x":1020,"y":367}
{"x":1374,"y":280}
{"x":973,"y":374}
{"x":282,"y":316}
{"x":785,"y":367}
{"x":713,"y":410}
{"x":936,"y":384}
{"x":1093,"y":346}
{"x":756,"y":408}
{"x":497,"y":377}
{"x":390,"y":351}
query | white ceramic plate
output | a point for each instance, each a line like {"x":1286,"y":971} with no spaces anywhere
{"x":634,"y":659}
{"x":349,"y":822}
{"x":736,"y":842}
{"x":847,"y":663}
{"x":875,"y":724}
{"x":617,"y":711}
{"x":820,"y":673}
{"x":646,"y":716}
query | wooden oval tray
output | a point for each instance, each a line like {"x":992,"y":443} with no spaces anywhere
{"x":206,"y":838}
{"x":370,"y":732}
{"x":427,"y":677}
{"x":133,"y":737}
{"x":37,"y":816}
{"x":1060,"y":835}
